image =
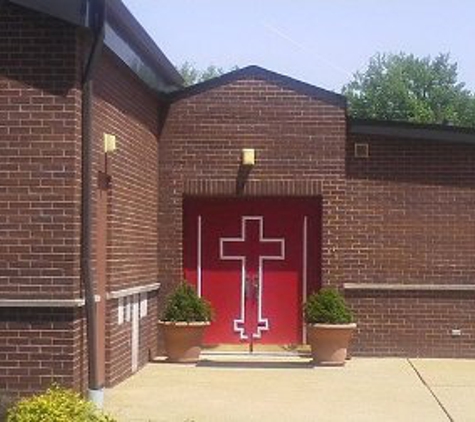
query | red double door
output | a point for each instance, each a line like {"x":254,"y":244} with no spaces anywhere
{"x":255,"y":260}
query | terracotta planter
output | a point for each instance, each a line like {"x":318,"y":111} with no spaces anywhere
{"x":329,"y":342}
{"x":183,"y":340}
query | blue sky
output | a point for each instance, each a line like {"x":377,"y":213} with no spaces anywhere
{"x":320,"y":42}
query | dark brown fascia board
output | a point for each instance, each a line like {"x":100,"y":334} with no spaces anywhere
{"x":266,"y":75}
{"x":75,"y":12}
{"x":119,"y":14}
{"x":407,"y":130}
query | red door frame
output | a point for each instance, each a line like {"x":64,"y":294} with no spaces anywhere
{"x":306,"y":209}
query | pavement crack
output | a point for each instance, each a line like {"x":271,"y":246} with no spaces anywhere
{"x":419,"y":375}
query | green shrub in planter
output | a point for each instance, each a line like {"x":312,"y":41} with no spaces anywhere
{"x":56,"y":405}
{"x":327,"y":307}
{"x":184,"y":305}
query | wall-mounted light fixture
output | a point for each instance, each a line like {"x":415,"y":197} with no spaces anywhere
{"x":248,"y":157}
{"x":104,"y":178}
{"x":110,"y":143}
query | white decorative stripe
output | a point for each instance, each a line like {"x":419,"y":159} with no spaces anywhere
{"x":143,"y":305}
{"x":410,"y":287}
{"x":42,"y":303}
{"x":120,"y":311}
{"x":304,"y":271}
{"x":133,"y":291}
{"x":238,"y":324}
{"x":135,"y":334}
{"x":128,"y":308}
{"x":198,"y":269}
{"x":45,"y":303}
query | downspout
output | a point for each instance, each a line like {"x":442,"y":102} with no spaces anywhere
{"x":97,"y":12}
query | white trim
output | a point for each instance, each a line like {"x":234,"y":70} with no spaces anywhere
{"x":410,"y":287}
{"x":238,"y":324}
{"x":120,"y":311}
{"x":42,"y":303}
{"x":128,"y":307}
{"x":304,"y":272}
{"x":135,"y":335}
{"x":133,"y":291}
{"x":199,"y":280}
{"x":143,"y":305}
{"x":262,"y":323}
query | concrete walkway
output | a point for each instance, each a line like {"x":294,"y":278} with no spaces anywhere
{"x":241,"y":389}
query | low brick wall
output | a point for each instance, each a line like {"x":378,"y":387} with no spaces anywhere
{"x":40,"y":346}
{"x":413,"y":323}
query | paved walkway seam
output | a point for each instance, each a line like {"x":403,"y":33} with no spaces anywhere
{"x":419,"y":375}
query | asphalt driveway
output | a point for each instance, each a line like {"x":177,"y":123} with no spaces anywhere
{"x":231,"y":388}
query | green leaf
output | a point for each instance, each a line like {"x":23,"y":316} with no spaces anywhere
{"x":327,"y":307}
{"x":186,"y":306}
{"x":407,"y":88}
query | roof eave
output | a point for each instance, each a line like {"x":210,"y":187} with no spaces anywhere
{"x":406,"y":130}
{"x":76,"y":13}
{"x":120,"y":14}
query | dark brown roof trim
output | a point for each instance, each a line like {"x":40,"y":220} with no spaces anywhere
{"x":430,"y":132}
{"x":120,"y":14}
{"x":257,"y":72}
{"x":76,"y":12}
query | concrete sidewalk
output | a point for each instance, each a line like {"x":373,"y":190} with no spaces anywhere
{"x":289,"y":389}
{"x":453,"y":384}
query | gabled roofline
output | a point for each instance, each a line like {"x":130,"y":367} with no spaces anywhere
{"x":257,"y":72}
{"x":407,"y":130}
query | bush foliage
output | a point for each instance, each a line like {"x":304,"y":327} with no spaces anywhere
{"x":56,"y":405}
{"x":184,"y":305}
{"x":327,"y":307}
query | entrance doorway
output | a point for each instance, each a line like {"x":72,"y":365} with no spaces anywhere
{"x":255,"y":260}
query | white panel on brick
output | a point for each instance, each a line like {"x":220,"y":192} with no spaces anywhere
{"x":120,"y":311}
{"x":128,"y":306}
{"x":143,"y":305}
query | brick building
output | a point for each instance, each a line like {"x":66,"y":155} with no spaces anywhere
{"x":382,"y":210}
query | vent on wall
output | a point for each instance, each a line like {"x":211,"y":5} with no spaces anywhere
{"x":361,"y":150}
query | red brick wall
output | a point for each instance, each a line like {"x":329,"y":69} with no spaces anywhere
{"x":39,"y":347}
{"x":123,"y":106}
{"x":40,"y":187}
{"x":416,"y":202}
{"x":411,"y":221}
{"x":414,"y":324}
{"x":39,"y":164}
{"x":39,"y":194}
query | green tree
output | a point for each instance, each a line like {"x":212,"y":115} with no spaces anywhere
{"x":192,"y":75}
{"x":404,"y":87}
